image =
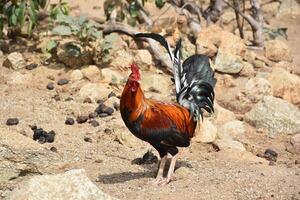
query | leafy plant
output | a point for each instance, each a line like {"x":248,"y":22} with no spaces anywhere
{"x":274,"y":33}
{"x":81,"y":27}
{"x":19,"y":14}
{"x":106,"y":45}
{"x":62,"y":8}
{"x":49,"y":49}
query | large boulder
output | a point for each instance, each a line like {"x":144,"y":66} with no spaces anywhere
{"x":21,"y":156}
{"x":285,"y":85}
{"x":73,"y":184}
{"x":94,"y":91}
{"x":158,"y":82}
{"x":277,"y":50}
{"x":276,"y":115}
{"x":256,"y":88}
{"x":143,"y":58}
{"x":233,"y":129}
{"x":91,"y":72}
{"x":294,"y":145}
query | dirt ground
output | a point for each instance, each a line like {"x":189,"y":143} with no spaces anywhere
{"x":202,"y":172}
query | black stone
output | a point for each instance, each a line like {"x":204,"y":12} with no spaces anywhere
{"x":38,"y":132}
{"x":82,"y":119}
{"x":63,"y":81}
{"x":112,"y":94}
{"x":53,"y":149}
{"x":103,"y":115}
{"x":42,"y":139}
{"x":93,"y":115}
{"x":69,"y":121}
{"x":87,"y":139}
{"x":94,"y":123}
{"x":109,"y":111}
{"x":271,"y":155}
{"x":31,"y":66}
{"x":50,"y":136}
{"x":50,"y":86}
{"x":12,"y":121}
{"x":148,"y":158}
{"x":101,"y":108}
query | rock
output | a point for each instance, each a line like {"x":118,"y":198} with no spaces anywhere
{"x":94,"y":91}
{"x":188,"y":49}
{"x":276,"y":115}
{"x":223,"y":115}
{"x":285,"y":65}
{"x":112,"y":76}
{"x":72,"y":54}
{"x":224,"y":144}
{"x":148,"y":158}
{"x":101,"y":115}
{"x":76,"y":75}
{"x":271,"y":8}
{"x":87,"y":100}
{"x":94,"y":123}
{"x":121,"y":59}
{"x":277,"y":50}
{"x":285,"y":85}
{"x":207,"y":133}
{"x":12,"y":121}
{"x":70,"y":121}
{"x":50,"y":136}
{"x":271,"y":155}
{"x":104,"y":109}
{"x":228,"y":63}
{"x":288,"y":7}
{"x":227,"y":42}
{"x":233,"y":129}
{"x":143,"y":58}
{"x":111,"y":101}
{"x":14,"y":61}
{"x":31,"y":66}
{"x":82,"y":119}
{"x":259,"y":64}
{"x":159,"y":82}
{"x":247,"y":70}
{"x":93,"y":115}
{"x":294,"y":144}
{"x":91,"y":72}
{"x":62,"y":81}
{"x":256,"y":88}
{"x":116,"y":106}
{"x":87,"y":139}
{"x":50,"y":86}
{"x":21,"y":157}
{"x":73,"y":184}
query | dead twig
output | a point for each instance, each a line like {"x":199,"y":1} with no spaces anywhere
{"x":154,"y":47}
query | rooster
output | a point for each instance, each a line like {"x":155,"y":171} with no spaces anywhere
{"x":167,"y":126}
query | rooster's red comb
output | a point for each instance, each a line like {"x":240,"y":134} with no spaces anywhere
{"x":135,"y":70}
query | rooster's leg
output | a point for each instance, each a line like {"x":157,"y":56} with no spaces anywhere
{"x":171,"y":171}
{"x":160,"y":171}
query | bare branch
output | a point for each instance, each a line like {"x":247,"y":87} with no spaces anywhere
{"x":154,"y":47}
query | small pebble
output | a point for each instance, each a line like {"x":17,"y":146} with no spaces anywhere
{"x":103,"y":115}
{"x":53,"y":149}
{"x":100,"y":101}
{"x":107,"y":131}
{"x":50,"y":86}
{"x":50,"y":136}
{"x":82,"y":119}
{"x":42,"y":140}
{"x":31,"y":66}
{"x":116,"y":105}
{"x":93,"y":115}
{"x":109,"y":111}
{"x":112,"y":94}
{"x":101,"y":108}
{"x":56,"y":97}
{"x":12,"y":121}
{"x":69,"y":121}
{"x":271,"y":155}
{"x":63,"y":81}
{"x":69,"y":99}
{"x":87,"y":100}
{"x":87,"y":139}
{"x":37,"y":133}
{"x":94,"y":123}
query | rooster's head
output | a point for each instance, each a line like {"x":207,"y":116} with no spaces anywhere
{"x":135,"y":77}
